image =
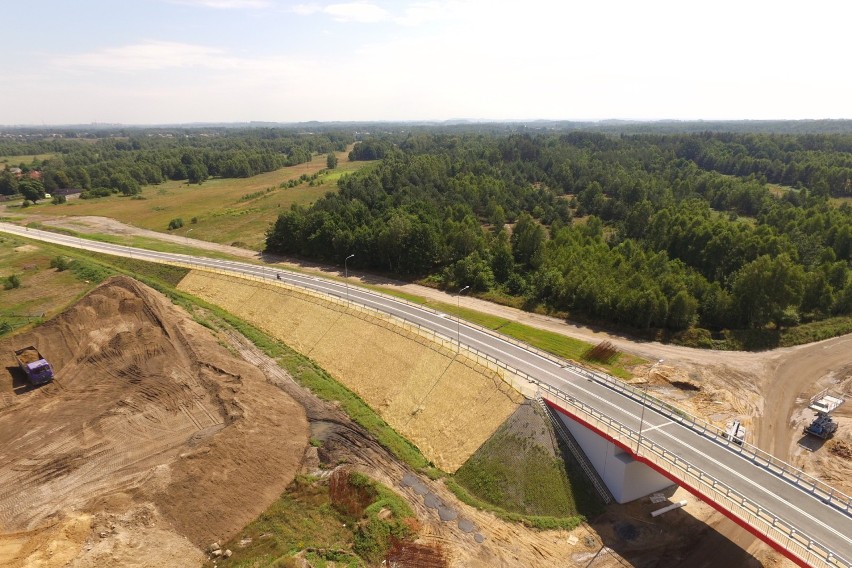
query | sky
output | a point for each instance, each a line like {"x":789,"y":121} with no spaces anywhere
{"x":184,"y":61}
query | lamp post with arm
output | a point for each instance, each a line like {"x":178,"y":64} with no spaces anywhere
{"x":644,"y":399}
{"x":458,"y":316}
{"x":346,"y":275}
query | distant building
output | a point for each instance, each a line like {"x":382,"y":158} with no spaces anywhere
{"x":19,"y":173}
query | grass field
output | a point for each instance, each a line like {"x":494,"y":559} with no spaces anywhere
{"x":226,"y":210}
{"x":14,"y":161}
{"x":43,"y":291}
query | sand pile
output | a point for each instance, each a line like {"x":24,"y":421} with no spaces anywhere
{"x":146,"y":408}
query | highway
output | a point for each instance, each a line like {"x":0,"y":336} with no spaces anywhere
{"x":825,"y":527}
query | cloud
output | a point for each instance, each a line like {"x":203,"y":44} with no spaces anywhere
{"x":147,"y":56}
{"x":361,"y":12}
{"x":226,"y":4}
{"x":411,"y":14}
{"x":306,"y":9}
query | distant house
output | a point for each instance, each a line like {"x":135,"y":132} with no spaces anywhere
{"x":19,"y":173}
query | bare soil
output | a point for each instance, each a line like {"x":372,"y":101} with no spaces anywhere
{"x":446,"y":405}
{"x":150,"y":429}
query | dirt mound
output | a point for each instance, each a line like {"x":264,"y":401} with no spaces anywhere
{"x":146,"y":407}
{"x":840,"y":448}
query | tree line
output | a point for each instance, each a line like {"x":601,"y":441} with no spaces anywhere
{"x":124,"y":164}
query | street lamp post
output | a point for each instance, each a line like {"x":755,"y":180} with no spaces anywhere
{"x":346,"y":275}
{"x":458,"y":316}
{"x":644,"y":398}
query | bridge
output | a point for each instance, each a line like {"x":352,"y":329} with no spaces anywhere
{"x":805,"y":519}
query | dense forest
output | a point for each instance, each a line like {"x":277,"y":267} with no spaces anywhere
{"x":122,"y":162}
{"x":672,"y":231}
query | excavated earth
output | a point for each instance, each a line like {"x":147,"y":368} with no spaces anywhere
{"x":152,"y":441}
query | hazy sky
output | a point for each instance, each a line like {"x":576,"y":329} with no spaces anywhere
{"x":166,"y":61}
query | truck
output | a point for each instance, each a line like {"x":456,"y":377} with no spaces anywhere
{"x":823,"y":404}
{"x":36,"y":367}
{"x":735,"y":432}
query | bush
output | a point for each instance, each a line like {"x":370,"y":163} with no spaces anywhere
{"x":175,"y":224}
{"x":194,"y":220}
{"x":60,"y":263}
{"x":58,"y":199}
{"x":96,"y":192}
{"x":12,"y":282}
{"x":604,"y":352}
{"x":90,"y":271}
{"x":694,"y":337}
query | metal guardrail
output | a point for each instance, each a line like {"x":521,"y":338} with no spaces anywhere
{"x":769,"y":524}
{"x":578,"y":453}
{"x":775,"y":528}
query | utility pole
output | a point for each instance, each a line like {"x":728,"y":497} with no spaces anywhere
{"x":644,"y":399}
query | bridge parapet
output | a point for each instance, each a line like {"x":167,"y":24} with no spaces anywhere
{"x":761,"y":522}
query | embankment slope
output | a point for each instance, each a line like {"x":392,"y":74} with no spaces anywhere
{"x":444,"y":403}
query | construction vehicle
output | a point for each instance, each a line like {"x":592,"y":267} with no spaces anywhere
{"x":823,"y":426}
{"x":36,"y":367}
{"x":735,"y":432}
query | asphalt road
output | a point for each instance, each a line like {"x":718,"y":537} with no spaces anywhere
{"x":824,"y":524}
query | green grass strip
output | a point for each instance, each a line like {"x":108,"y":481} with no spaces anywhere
{"x":548,"y":341}
{"x":536,"y":522}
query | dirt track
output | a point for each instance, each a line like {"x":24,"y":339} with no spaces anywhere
{"x":149,"y":418}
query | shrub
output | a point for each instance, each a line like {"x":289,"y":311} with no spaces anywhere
{"x":12,"y":282}
{"x":90,"y":271}
{"x":96,"y":192}
{"x":175,"y":224}
{"x":604,"y":352}
{"x":58,"y":199}
{"x":60,"y":263}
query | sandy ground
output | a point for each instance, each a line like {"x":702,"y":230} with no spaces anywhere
{"x":152,"y":441}
{"x":767,"y":390}
{"x":445,"y":405}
